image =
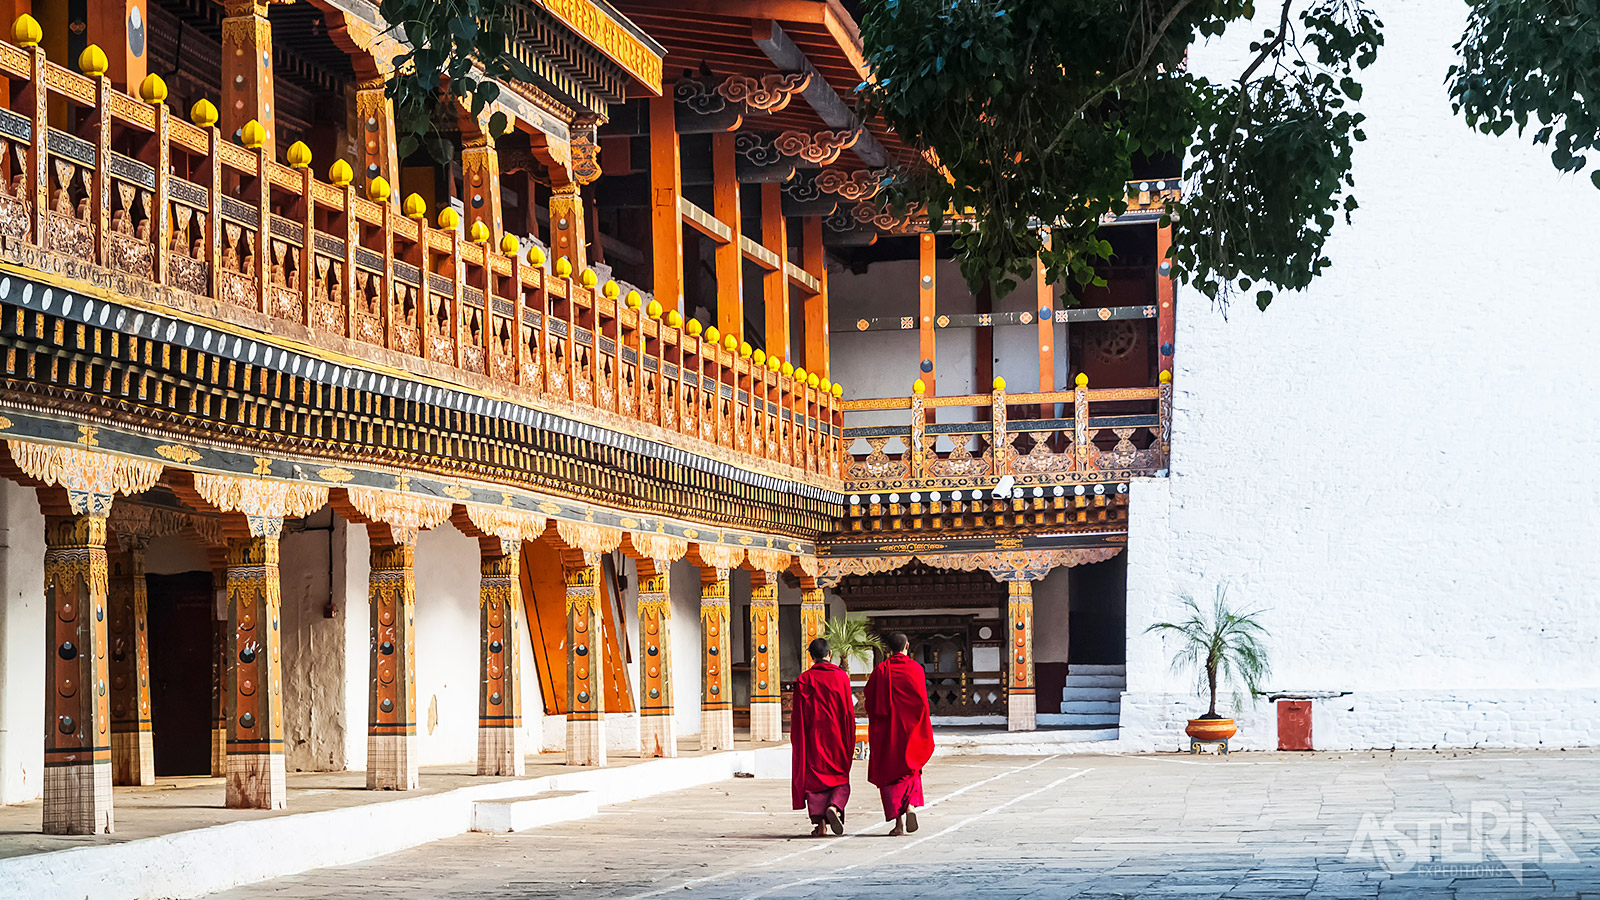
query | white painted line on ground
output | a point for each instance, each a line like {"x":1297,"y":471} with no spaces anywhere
{"x":830,"y":844}
{"x":907,"y":846}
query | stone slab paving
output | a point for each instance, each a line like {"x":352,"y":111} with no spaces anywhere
{"x":175,"y":804}
{"x":1258,"y":825}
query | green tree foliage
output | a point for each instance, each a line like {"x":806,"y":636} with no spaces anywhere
{"x":1533,"y":61}
{"x":458,"y":54}
{"x":1037,"y":111}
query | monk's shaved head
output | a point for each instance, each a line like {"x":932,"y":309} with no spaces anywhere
{"x":818,"y":650}
{"x":898,"y":642}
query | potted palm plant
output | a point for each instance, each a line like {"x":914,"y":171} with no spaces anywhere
{"x":1223,"y":648}
{"x":850,"y":638}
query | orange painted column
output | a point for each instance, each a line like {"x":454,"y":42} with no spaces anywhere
{"x":666,"y":186}
{"x":813,"y":615}
{"x":729,"y":257}
{"x":658,"y":736}
{"x":255,"y":765}
{"x":766,"y":690}
{"x":392,"y":709}
{"x":567,"y":226}
{"x":1021,"y":702}
{"x":77,"y":740}
{"x":1047,"y":329}
{"x":927,"y":289}
{"x":1166,"y":300}
{"x":133,"y":752}
{"x":375,"y":129}
{"x":247,"y":70}
{"x":500,"y":750}
{"x":716,"y":692}
{"x":480,"y":188}
{"x":586,"y":698}
{"x":122,"y":29}
{"x":816,"y":308}
{"x":775,"y":284}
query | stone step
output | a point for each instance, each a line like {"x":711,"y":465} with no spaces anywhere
{"x":1093,"y":707}
{"x":1090,"y":728}
{"x":1092,"y":693}
{"x":521,"y":813}
{"x":1113,"y":681}
{"x":1074,"y":669}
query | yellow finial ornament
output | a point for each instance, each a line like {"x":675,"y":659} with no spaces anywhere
{"x":589,"y":279}
{"x":1166,"y":376}
{"x":1082,"y":380}
{"x":759,"y":357}
{"x":694,"y":327}
{"x":340,"y":173}
{"x":478,"y":232}
{"x":745,"y":350}
{"x":730,"y":342}
{"x":252,"y":135}
{"x":564,"y":267}
{"x":774,"y":363}
{"x":449,"y":218}
{"x":799,"y":373}
{"x":674,"y":319}
{"x":152,"y":89}
{"x":509,"y":245}
{"x":999,"y":383}
{"x":838,"y":389}
{"x":25,"y":31}
{"x":536,"y":256}
{"x":653,"y":310}
{"x":203,"y":113}
{"x":610,"y":291}
{"x":92,"y":61}
{"x":633,"y":299}
{"x":918,"y":387}
{"x":825,"y":385}
{"x":713,"y":335}
{"x":298,"y":155}
{"x":786,"y":369}
{"x":812,"y":380}
{"x":378,"y":189}
{"x":414,"y":207}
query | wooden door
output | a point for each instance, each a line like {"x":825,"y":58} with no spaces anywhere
{"x":182,"y":650}
{"x":544,"y":596}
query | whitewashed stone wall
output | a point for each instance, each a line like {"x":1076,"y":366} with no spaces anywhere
{"x":1399,"y":465}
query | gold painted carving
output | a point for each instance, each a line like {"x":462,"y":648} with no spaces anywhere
{"x":589,"y":537}
{"x":506,"y":524}
{"x":661,"y":547}
{"x":264,"y":503}
{"x":718,"y":556}
{"x":90,"y":477}
{"x":768,"y":560}
{"x":411,"y":512}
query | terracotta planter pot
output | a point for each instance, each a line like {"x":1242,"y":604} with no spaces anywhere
{"x":1211,"y":729}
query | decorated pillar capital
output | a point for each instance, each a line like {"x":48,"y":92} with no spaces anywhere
{"x":92,"y":478}
{"x":77,"y":747}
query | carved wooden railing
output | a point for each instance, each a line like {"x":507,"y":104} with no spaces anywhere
{"x":91,"y":175}
{"x":1071,"y":438}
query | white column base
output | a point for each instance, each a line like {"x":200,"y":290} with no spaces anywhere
{"x":256,"y":781}
{"x":658,"y":736}
{"x":1021,"y":712}
{"x":391,"y":762}
{"x":77,"y":799}
{"x":500,"y":751}
{"x":766,"y":720}
{"x":716,"y":729}
{"x":586,"y":742}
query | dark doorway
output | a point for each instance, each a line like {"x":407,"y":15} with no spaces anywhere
{"x":1098,"y":612}
{"x":182,"y":637}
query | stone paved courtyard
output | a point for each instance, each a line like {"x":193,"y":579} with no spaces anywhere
{"x":1252,"y":825}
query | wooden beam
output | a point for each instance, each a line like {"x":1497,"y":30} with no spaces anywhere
{"x":666,"y":190}
{"x":729,"y":256}
{"x":816,"y":309}
{"x":802,"y":279}
{"x":772,"y":40}
{"x":927,"y":288}
{"x":1166,"y":300}
{"x":759,"y":255}
{"x":704,"y":222}
{"x":775,"y":284}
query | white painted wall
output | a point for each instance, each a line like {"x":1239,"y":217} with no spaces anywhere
{"x":1050,"y":619}
{"x":22,"y":644}
{"x":1399,"y":465}
{"x":315,"y":715}
{"x":684,"y":582}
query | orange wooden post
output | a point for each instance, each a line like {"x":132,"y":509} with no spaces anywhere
{"x":566,"y":225}
{"x":122,"y":29}
{"x":375,"y":127}
{"x":927,"y":289}
{"x":480,"y":180}
{"x":775,"y":284}
{"x":816,"y":304}
{"x":1166,"y":299}
{"x":247,"y":77}
{"x":666,"y":186}
{"x":1047,"y":330}
{"x":729,"y":256}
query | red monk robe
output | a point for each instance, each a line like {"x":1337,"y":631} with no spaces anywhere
{"x":822,"y":732}
{"x":899,"y":732}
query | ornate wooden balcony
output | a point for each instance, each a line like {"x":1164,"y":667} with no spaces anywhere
{"x":174,"y":217}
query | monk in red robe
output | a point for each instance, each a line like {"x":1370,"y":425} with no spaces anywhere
{"x":822,"y":733}
{"x":899,"y":733}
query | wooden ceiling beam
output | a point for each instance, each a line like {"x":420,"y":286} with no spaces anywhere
{"x":770,"y":37}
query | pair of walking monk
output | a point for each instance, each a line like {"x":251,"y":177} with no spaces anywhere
{"x":823,"y":735}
